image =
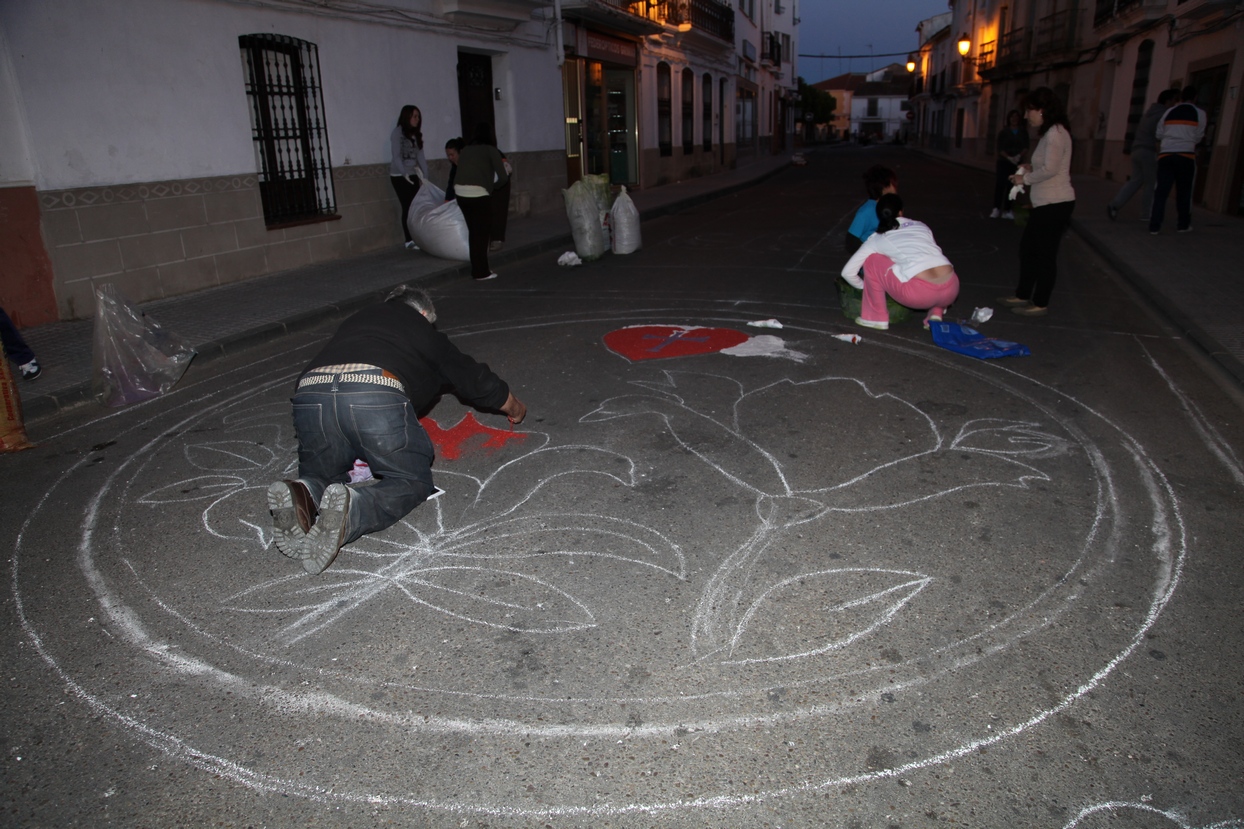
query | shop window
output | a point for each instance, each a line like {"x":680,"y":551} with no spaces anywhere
{"x":665,"y":112}
{"x":706,"y":103}
{"x":288,"y":128}
{"x":688,"y":112}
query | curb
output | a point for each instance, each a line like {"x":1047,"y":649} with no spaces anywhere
{"x":78,"y":395}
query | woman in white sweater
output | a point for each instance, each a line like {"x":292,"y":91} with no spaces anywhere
{"x":902,"y":260}
{"x":1053,"y":200}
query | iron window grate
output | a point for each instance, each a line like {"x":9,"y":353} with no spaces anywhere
{"x":288,"y":128}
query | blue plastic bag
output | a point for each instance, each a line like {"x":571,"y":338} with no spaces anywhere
{"x":973,"y":343}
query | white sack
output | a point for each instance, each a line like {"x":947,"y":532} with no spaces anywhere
{"x":585,"y":227}
{"x":624,"y":219}
{"x":437,"y":226}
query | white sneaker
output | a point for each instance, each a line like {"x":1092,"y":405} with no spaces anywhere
{"x":1008,"y":215}
{"x":411,"y":246}
{"x":995,"y":214}
{"x":485,"y":278}
{"x":880,"y":326}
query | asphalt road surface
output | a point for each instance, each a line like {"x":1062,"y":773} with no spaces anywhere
{"x":723,"y":575}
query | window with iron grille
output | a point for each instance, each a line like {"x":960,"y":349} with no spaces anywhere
{"x":288,"y":128}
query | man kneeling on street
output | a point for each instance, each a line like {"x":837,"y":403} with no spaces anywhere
{"x":361,"y":398}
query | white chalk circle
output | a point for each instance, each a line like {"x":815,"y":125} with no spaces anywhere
{"x":868,"y":562}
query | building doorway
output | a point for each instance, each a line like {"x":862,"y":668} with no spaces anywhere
{"x":610,"y":141}
{"x":1211,"y":87}
{"x":475,"y":93}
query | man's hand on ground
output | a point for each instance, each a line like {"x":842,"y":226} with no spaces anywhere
{"x":514,"y":409}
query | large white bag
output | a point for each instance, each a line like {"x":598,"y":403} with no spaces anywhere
{"x":585,"y":226}
{"x":437,"y":226}
{"x":624,"y":219}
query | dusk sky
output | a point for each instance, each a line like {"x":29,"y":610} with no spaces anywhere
{"x":848,"y":27}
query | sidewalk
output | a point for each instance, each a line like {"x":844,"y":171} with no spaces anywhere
{"x":224,"y":320}
{"x":1193,"y":277}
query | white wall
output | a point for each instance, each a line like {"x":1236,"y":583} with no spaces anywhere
{"x":15,"y":166}
{"x":150,"y":90}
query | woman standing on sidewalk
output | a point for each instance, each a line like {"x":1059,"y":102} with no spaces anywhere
{"x":1053,"y":200}
{"x":408,"y":166}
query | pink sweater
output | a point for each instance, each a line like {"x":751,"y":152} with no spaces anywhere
{"x":1050,"y":176}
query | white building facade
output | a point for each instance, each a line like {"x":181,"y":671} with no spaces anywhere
{"x":152,"y":145}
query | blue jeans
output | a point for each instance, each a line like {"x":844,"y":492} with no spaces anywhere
{"x":339,"y":422}
{"x":1144,"y":175}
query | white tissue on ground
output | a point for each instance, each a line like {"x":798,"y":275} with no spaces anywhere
{"x":982,"y":315}
{"x":765,"y":324}
{"x":569,"y":258}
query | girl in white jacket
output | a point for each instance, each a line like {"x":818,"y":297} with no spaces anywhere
{"x":902,"y":260}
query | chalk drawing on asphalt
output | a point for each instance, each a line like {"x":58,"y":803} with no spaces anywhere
{"x":1031,"y":435}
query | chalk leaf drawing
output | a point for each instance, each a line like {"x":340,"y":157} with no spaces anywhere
{"x":712,"y":417}
{"x":476,"y":553}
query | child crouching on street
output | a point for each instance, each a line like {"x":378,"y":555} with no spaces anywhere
{"x":902,"y":260}
{"x":878,"y":181}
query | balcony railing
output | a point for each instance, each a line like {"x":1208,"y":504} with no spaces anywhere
{"x":708,"y":16}
{"x":1055,"y":33}
{"x":1013,"y":47}
{"x":985,"y":59}
{"x":1106,"y":10}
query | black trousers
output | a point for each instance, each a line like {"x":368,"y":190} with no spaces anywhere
{"x":1179,"y":172}
{"x":405,"y":194}
{"x":500,"y":212}
{"x":478,"y":214}
{"x":1038,"y":251}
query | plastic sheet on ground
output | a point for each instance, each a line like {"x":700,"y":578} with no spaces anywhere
{"x":133,"y":357}
{"x":964,"y":340}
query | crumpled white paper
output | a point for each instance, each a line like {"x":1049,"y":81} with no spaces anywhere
{"x":1016,"y":191}
{"x":980,"y":315}
{"x":569,"y":258}
{"x":765,"y":324}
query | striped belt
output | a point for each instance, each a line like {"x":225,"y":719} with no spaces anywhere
{"x":372,"y":376}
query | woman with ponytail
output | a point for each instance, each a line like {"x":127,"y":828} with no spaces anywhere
{"x":902,"y":260}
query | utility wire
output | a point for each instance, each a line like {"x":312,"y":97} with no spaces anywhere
{"x":878,"y":55}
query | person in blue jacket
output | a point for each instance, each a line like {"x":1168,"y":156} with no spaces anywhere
{"x":878,"y":181}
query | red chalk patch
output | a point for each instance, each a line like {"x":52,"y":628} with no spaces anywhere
{"x":451,"y":443}
{"x":654,"y":342}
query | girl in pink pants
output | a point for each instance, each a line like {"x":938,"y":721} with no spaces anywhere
{"x":902,"y":260}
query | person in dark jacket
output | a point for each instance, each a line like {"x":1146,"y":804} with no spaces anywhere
{"x":1179,"y":131}
{"x":452,"y":147}
{"x":481,"y":173}
{"x":1012,"y":144}
{"x":360,"y":397}
{"x":1144,"y":159}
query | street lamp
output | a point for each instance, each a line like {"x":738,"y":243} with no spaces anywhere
{"x":911,"y":63}
{"x":965,"y":45}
